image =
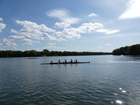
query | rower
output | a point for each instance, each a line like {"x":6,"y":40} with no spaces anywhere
{"x":71,"y":61}
{"x":65,"y":61}
{"x":51,"y":62}
{"x":59,"y":61}
{"x":75,"y":61}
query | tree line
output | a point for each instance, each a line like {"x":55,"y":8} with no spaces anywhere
{"x":128,"y":50}
{"x":45,"y":52}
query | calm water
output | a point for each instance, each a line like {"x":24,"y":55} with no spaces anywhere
{"x":107,"y":80}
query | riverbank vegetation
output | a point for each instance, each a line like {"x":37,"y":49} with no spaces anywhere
{"x":45,"y":52}
{"x":128,"y":50}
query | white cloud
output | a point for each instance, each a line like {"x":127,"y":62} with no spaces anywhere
{"x":75,"y":32}
{"x":52,"y":44}
{"x":71,"y":32}
{"x":102,"y":30}
{"x":60,"y":39}
{"x":60,"y":13}
{"x":33,"y":25}
{"x":27,"y":41}
{"x":92,"y":14}
{"x":47,"y":36}
{"x":8,"y":42}
{"x":16,"y":37}
{"x":13,"y":31}
{"x":83,"y":29}
{"x":1,"y":19}
{"x":63,"y":15}
{"x":112,"y":31}
{"x":132,"y":10}
{"x":32,"y":31}
{"x":62,"y":24}
{"x":107,"y":31}
{"x":52,"y":47}
{"x":89,"y":27}
{"x":68,"y":33}
{"x":2,"y":26}
{"x":0,"y":44}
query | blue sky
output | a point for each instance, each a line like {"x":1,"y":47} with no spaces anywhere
{"x":69,"y":25}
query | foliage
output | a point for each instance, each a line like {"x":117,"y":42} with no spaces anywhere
{"x":45,"y":52}
{"x":128,"y":50}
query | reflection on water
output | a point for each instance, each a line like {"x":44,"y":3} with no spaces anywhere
{"x":106,"y":80}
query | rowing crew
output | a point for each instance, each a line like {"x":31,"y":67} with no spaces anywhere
{"x":65,"y":61}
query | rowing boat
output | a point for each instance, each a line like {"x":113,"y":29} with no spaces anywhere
{"x":51,"y":63}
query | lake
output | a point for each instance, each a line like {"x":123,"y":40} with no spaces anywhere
{"x":106,"y":80}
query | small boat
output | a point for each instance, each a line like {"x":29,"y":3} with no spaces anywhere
{"x":51,"y":63}
{"x":32,"y":58}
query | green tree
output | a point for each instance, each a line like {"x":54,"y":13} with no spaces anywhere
{"x":46,"y":52}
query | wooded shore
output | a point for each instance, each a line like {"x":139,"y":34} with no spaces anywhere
{"x":45,"y":52}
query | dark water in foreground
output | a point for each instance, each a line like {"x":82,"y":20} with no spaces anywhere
{"x":107,"y":80}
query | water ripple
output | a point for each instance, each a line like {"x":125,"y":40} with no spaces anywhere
{"x":97,"y":83}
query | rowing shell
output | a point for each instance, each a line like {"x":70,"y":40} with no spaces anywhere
{"x":64,"y":63}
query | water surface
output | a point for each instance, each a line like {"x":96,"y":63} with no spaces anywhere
{"x":107,"y":80}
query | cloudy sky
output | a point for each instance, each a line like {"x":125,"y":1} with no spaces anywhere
{"x":69,"y":25}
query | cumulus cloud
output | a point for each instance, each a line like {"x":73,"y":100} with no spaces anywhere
{"x":89,"y":27}
{"x":8,"y":42}
{"x":52,"y":47}
{"x":13,"y":31}
{"x":63,"y":15}
{"x":35,"y":26}
{"x":92,"y":14}
{"x":2,"y":26}
{"x":32,"y":31}
{"x":16,"y":37}
{"x":132,"y":11}
{"x":52,"y":44}
{"x":47,"y":36}
{"x":62,"y":24}
{"x":68,"y":33}
{"x":1,"y":19}
{"x":83,"y":29}
{"x":27,"y":41}
{"x":75,"y":32}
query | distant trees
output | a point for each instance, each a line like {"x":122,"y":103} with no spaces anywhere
{"x":9,"y":53}
{"x":128,"y":50}
{"x":45,"y":52}
{"x":30,"y":53}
